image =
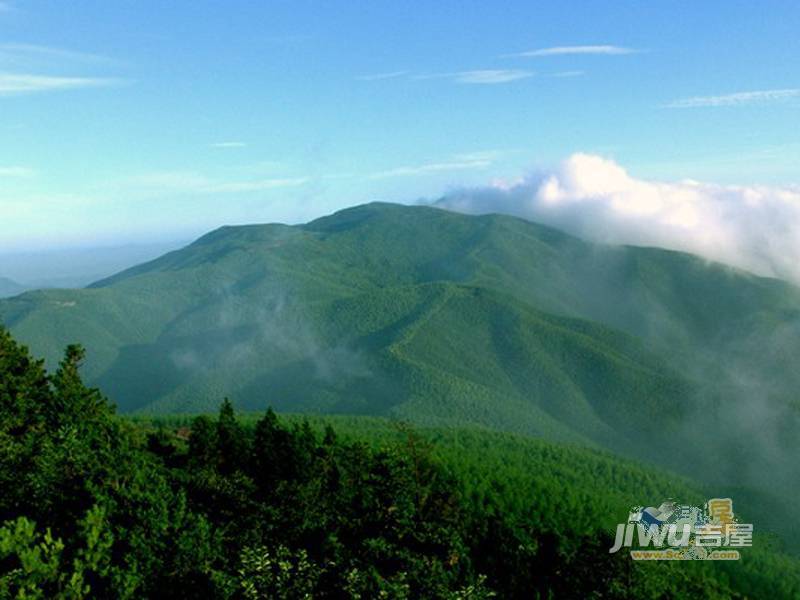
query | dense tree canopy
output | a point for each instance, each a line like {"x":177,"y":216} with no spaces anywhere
{"x":95,"y":506}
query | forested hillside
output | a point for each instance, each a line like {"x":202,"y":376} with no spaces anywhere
{"x":95,"y":506}
{"x":343,"y":299}
{"x":447,"y":320}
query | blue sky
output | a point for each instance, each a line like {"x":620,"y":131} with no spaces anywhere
{"x":142,"y":121}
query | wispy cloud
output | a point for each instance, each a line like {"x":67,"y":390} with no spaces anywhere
{"x":17,"y":172}
{"x":737,"y":99}
{"x":567,"y":74}
{"x":481,"y":76}
{"x":476,"y":76}
{"x":23,"y":83}
{"x":570,"y":50}
{"x":491,"y":76}
{"x":29,"y":68}
{"x":197,"y":183}
{"x":35,"y":53}
{"x":459,"y":162}
{"x":229,"y":145}
{"x":381,"y":76}
{"x":431,"y":168}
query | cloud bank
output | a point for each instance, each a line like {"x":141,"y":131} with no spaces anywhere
{"x":756,"y":228}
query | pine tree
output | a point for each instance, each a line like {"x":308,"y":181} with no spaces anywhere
{"x":74,"y":401}
{"x":231,"y":441}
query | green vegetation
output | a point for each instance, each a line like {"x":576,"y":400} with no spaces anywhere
{"x":366,"y":294}
{"x":95,"y":506}
{"x":447,"y":320}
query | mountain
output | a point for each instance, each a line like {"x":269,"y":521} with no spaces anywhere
{"x":443,"y":318}
{"x":9,"y":288}
{"x":355,"y":503}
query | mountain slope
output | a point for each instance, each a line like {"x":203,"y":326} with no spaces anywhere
{"x":440,"y":317}
{"x":446,"y":319}
{"x":237,"y":280}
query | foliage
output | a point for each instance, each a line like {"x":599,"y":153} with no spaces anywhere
{"x":94,"y":506}
{"x":35,"y":568}
{"x":445,"y":319}
{"x":282,"y":575}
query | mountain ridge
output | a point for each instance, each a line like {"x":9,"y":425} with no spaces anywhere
{"x":665,"y":298}
{"x":445,"y":319}
{"x":423,"y":314}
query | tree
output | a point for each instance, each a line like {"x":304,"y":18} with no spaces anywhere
{"x":203,"y":442}
{"x":231,"y":441}
{"x":74,"y":401}
{"x":39,"y":568}
{"x":273,"y":453}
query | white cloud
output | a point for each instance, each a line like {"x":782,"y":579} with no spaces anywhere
{"x":16,"y":172}
{"x":571,"y":50}
{"x":29,"y":68}
{"x":481,"y":76}
{"x":19,"y":83}
{"x":228,"y":145}
{"x":432,"y":168}
{"x":36,"y":53}
{"x":737,"y":99}
{"x":459,"y":162}
{"x":476,"y":76}
{"x":381,"y":76}
{"x":491,"y":76}
{"x":753,"y":227}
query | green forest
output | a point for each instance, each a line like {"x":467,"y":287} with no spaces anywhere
{"x":393,"y":300}
{"x":94,"y":505}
